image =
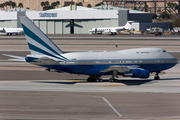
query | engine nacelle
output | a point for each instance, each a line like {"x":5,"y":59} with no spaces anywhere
{"x":137,"y":73}
{"x":133,"y":73}
{"x":145,"y":74}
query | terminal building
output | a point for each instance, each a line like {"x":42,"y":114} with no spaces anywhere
{"x":78,"y":20}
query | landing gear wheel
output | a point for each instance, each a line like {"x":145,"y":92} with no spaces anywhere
{"x":97,"y":80}
{"x":100,"y":80}
{"x":114,"y":74}
{"x":89,"y":79}
{"x":110,"y":80}
{"x":94,"y":78}
{"x":113,"y":80}
{"x":156,"y":78}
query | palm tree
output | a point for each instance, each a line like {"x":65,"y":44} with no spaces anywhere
{"x":42,"y":4}
{"x":89,"y":6}
{"x":99,"y":4}
{"x":178,"y":9}
{"x":6,"y":4}
{"x":47,"y":3}
{"x":53,"y":4}
{"x":1,"y":6}
{"x":58,"y":3}
{"x":14,"y":4}
{"x":20,"y":5}
{"x":146,"y":7}
{"x":79,"y":4}
{"x":10,"y":4}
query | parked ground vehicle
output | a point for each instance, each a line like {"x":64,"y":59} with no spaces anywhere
{"x":155,"y":30}
{"x":175,"y":30}
{"x":158,"y":33}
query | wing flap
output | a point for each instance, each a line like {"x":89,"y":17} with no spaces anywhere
{"x":46,"y":60}
{"x":120,"y":69}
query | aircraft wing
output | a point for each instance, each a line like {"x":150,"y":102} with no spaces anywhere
{"x":113,"y":30}
{"x":17,"y":58}
{"x":120,"y":29}
{"x":120,"y":69}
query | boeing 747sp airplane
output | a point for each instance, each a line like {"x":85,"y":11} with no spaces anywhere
{"x":135,"y":63}
{"x":112,"y":30}
{"x":10,"y":31}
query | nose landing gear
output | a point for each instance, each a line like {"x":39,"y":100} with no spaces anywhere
{"x":156,"y":77}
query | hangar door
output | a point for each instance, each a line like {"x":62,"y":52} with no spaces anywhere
{"x":50,"y":27}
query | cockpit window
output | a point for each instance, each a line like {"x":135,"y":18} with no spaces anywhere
{"x":164,"y":51}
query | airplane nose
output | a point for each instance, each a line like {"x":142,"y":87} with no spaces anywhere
{"x":176,"y":60}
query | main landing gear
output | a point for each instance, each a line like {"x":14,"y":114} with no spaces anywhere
{"x":113,"y":33}
{"x":156,"y":77}
{"x":114,"y":74}
{"x":112,"y":79}
{"x":94,"y":78}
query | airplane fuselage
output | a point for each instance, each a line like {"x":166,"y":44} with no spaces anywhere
{"x":151,"y":59}
{"x":112,"y":30}
{"x":139,"y":62}
{"x":10,"y":31}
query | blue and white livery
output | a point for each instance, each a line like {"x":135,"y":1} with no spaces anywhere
{"x":138,"y":63}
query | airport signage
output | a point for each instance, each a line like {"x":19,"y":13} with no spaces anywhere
{"x":45,"y":14}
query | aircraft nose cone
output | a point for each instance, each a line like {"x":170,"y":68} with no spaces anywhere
{"x":176,"y":60}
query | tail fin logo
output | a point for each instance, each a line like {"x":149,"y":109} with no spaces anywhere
{"x":38,"y":42}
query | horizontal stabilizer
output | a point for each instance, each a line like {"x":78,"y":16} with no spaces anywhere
{"x":18,"y":58}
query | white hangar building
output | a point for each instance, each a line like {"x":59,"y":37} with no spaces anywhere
{"x":62,"y":20}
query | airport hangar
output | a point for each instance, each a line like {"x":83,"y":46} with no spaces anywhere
{"x":78,"y":20}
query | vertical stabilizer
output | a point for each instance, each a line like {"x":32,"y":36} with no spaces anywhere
{"x":38,"y":42}
{"x":128,"y":25}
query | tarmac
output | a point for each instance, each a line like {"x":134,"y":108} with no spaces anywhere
{"x":30,"y":92}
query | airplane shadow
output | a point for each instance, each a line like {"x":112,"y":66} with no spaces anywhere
{"x":170,"y":79}
{"x":130,"y":82}
{"x":126,"y":82}
{"x":74,"y":81}
{"x":52,"y":82}
{"x":133,"y":82}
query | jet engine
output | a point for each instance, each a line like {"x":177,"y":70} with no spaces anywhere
{"x":145,"y":74}
{"x":137,"y":73}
